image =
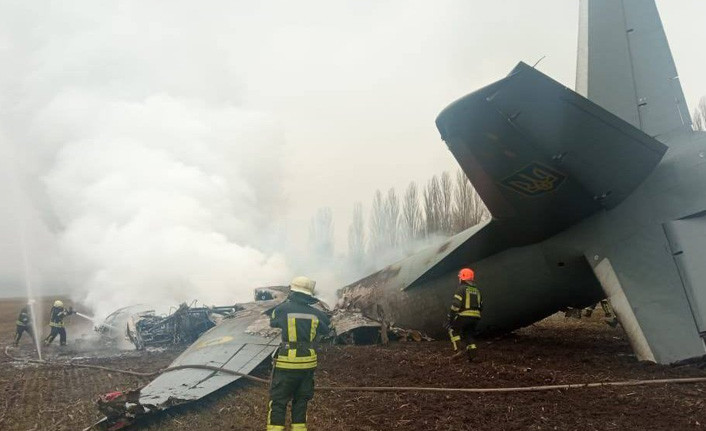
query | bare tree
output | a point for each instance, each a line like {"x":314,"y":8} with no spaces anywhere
{"x":432,"y":199}
{"x":411,"y":222}
{"x":463,"y":203}
{"x":468,"y":209}
{"x":321,"y":233}
{"x":700,"y":115}
{"x":480,"y":211}
{"x":356,"y":237}
{"x":392,"y":218}
{"x":377,"y":224}
{"x":445,"y":203}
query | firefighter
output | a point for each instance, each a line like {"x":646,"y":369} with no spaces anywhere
{"x":465,"y":314}
{"x":24,"y":323}
{"x":56,"y":323}
{"x":295,"y":359}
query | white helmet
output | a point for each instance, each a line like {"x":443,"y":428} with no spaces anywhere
{"x":303,"y":285}
{"x":58,"y":303}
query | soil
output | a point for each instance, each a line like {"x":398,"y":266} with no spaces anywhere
{"x":554,"y":351}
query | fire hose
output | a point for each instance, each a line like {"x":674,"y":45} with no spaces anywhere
{"x":684,"y":380}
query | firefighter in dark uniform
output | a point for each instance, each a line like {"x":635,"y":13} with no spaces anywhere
{"x":56,"y":323}
{"x":295,"y":360}
{"x":24,"y":323}
{"x":465,"y":314}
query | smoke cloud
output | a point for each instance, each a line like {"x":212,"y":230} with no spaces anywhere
{"x":169,"y":152}
{"x":162,"y":200}
{"x":156,"y":184}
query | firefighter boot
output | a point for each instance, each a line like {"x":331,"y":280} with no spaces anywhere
{"x":471,"y":352}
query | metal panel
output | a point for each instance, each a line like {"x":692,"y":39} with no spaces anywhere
{"x":687,"y":239}
{"x":625,"y":65}
{"x":650,"y":281}
{"x":608,"y":157}
{"x":249,"y":357}
{"x":520,"y":285}
{"x":436,"y":260}
{"x":237,"y":344}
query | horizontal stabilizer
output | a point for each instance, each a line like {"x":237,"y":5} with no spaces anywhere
{"x":543,"y":157}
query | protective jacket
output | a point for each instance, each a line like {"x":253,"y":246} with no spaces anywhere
{"x":467,"y":301}
{"x":56,"y":316}
{"x":300,"y":324}
{"x":23,"y":319}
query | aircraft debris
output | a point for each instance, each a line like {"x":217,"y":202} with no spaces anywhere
{"x":354,"y":326}
{"x":183,"y":326}
{"x":241,"y":341}
{"x":144,"y":328}
{"x":120,"y":408}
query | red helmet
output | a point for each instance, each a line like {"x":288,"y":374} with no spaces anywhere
{"x":466,"y":274}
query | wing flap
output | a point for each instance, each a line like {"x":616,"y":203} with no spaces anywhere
{"x":471,"y":245}
{"x":232,"y":345}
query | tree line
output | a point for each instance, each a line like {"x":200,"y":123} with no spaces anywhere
{"x":401,"y":224}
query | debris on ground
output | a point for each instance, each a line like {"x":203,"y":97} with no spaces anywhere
{"x":354,"y":327}
{"x":240,"y":343}
{"x":144,"y":328}
{"x":554,"y":351}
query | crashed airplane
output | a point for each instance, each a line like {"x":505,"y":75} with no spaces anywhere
{"x":600,"y":193}
{"x":593,"y":194}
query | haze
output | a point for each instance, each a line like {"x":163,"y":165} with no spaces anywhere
{"x":164,"y":140}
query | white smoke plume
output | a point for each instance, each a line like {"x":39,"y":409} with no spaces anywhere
{"x":134,"y":128}
{"x":157,"y":182}
{"x":162,"y":200}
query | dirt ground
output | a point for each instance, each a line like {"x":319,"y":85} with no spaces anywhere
{"x":553,"y":351}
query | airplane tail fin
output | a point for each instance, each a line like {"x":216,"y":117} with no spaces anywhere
{"x":625,"y":65}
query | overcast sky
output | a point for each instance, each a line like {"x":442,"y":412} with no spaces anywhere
{"x":349,"y":90}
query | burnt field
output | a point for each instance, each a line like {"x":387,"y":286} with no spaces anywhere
{"x":554,"y":351}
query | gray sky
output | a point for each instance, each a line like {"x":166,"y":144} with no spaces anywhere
{"x":350,"y":90}
{"x":359,"y":110}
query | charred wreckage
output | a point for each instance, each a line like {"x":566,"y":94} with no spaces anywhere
{"x":143,"y":328}
{"x":230,"y":340}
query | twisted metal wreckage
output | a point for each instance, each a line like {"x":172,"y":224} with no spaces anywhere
{"x":144,"y":328}
{"x":232,"y":339}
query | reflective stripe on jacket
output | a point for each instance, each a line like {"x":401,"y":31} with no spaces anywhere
{"x":300,"y":324}
{"x":23,"y":318}
{"x":467,"y":301}
{"x":56,"y":317}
